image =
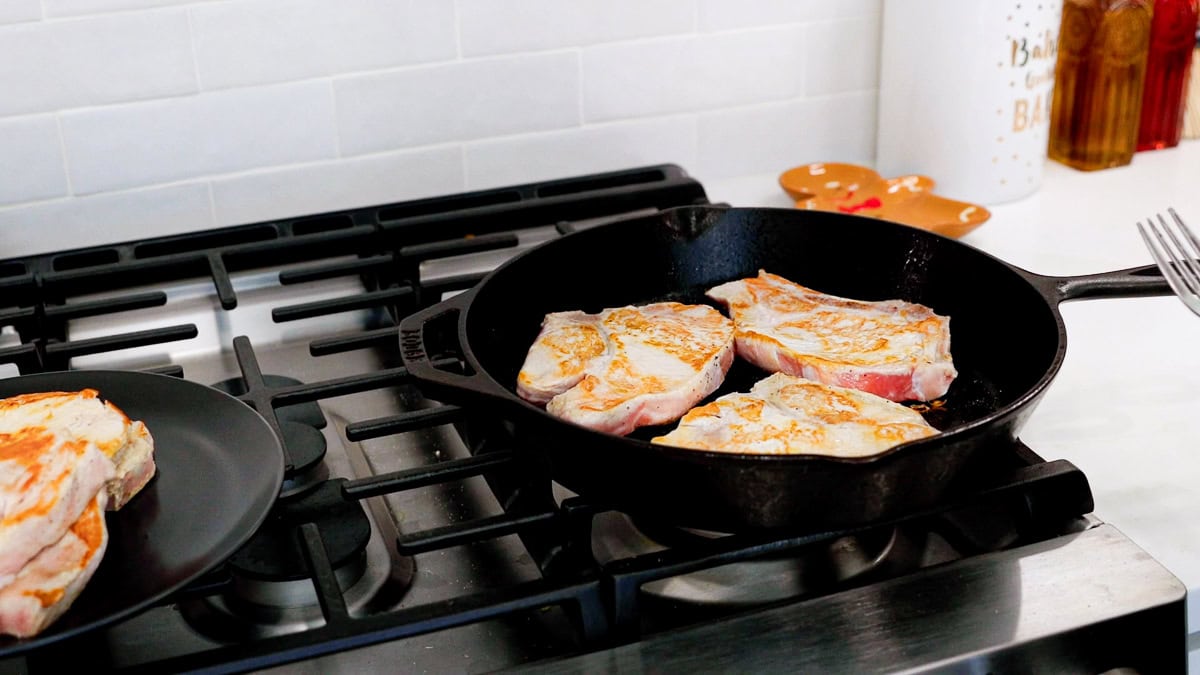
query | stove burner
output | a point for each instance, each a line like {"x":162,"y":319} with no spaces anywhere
{"x":303,"y":413}
{"x":306,"y":447}
{"x":271,"y":592}
{"x":275,"y":552}
{"x":813,"y":569}
{"x":299,"y":425}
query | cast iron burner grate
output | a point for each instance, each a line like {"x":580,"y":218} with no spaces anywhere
{"x":390,"y":242}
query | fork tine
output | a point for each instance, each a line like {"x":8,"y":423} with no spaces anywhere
{"x":1180,"y":273}
{"x":1185,"y":229}
{"x":1160,"y":259}
{"x":1194,"y":243}
{"x":1185,"y":259}
{"x":1175,"y":259}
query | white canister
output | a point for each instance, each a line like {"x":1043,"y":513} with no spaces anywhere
{"x":964,"y":94}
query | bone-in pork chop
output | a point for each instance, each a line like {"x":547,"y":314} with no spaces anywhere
{"x":81,"y":414}
{"x":46,"y":482}
{"x":628,"y":367}
{"x":895,"y":349}
{"x":48,"y":584}
{"x":787,"y":415}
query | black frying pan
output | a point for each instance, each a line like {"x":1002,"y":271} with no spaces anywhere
{"x":1007,"y":339}
{"x":219,"y":471}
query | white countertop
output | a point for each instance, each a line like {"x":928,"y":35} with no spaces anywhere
{"x":1125,"y":407}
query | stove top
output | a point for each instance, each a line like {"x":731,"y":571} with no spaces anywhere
{"x":410,"y":534}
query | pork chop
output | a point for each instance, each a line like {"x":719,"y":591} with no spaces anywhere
{"x":127,"y":444}
{"x":895,"y":349}
{"x":787,"y":415}
{"x":48,"y":584}
{"x":46,"y":481}
{"x":627,"y":367}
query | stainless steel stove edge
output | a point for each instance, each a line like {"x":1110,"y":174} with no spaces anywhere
{"x":1086,"y":602}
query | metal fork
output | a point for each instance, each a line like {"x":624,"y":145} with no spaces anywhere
{"x":1176,"y":258}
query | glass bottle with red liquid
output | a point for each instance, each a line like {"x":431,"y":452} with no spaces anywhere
{"x":1172,"y":36}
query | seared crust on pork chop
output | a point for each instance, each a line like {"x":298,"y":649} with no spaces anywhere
{"x":48,"y":584}
{"x":46,"y":482}
{"x":627,"y":367}
{"x":895,"y":349}
{"x":82,"y":415}
{"x":787,"y":415}
{"x":64,"y":457}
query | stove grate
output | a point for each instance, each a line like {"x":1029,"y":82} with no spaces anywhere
{"x":390,"y":241}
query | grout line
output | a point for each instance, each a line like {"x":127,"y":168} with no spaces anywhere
{"x":96,"y":195}
{"x":806,"y":35}
{"x":192,"y":50}
{"x":62,"y":146}
{"x":462,"y":145}
{"x":212,"y":204}
{"x":120,"y":11}
{"x":210,"y":179}
{"x":582,"y":116}
{"x":465,"y":166}
{"x":337,"y":128}
{"x":272,"y":83}
{"x":458,"y":48}
{"x":397,"y":68}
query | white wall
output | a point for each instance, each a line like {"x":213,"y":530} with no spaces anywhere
{"x":122,"y":119}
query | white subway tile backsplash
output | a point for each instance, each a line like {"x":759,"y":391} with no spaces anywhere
{"x":852,"y":8}
{"x":557,"y":154}
{"x":131,"y":118}
{"x":530,"y":25}
{"x":48,"y":66}
{"x":31,"y":163}
{"x":103,"y":219}
{"x":160,"y":141}
{"x":692,"y":73}
{"x":844,"y":56}
{"x":332,"y":186}
{"x":776,"y":137}
{"x":459,"y":101}
{"x":16,"y":11}
{"x":263,"y":41}
{"x":56,"y":8}
{"x":726,"y":15}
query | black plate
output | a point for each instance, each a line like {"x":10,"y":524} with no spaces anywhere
{"x":219,"y":471}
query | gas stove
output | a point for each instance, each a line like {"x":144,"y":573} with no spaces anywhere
{"x":410,"y":535}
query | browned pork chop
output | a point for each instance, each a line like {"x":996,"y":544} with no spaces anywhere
{"x":46,"y":482}
{"x":895,"y":349}
{"x":787,"y":415}
{"x":48,"y":584}
{"x":628,"y":367}
{"x":64,"y":457}
{"x":82,"y":415}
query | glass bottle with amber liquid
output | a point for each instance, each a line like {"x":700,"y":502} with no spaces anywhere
{"x":1099,"y":76}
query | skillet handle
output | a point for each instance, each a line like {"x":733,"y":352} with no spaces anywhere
{"x":427,"y":332}
{"x":1133,"y":282}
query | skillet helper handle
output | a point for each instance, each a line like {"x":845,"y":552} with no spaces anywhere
{"x":427,"y":332}
{"x":1134,"y":282}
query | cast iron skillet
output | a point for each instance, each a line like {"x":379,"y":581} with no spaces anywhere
{"x":219,"y":471}
{"x":1007,"y":340}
